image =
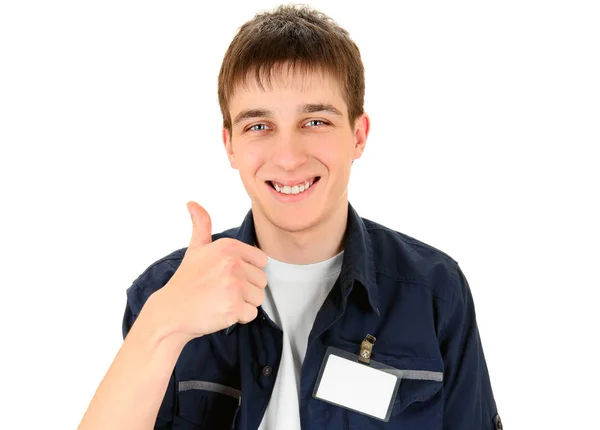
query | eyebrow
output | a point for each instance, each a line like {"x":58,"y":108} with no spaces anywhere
{"x":305,"y":108}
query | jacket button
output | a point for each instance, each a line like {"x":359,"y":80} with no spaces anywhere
{"x":498,"y":422}
{"x":267,"y":370}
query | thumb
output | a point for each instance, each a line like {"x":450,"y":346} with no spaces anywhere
{"x":202,"y":226}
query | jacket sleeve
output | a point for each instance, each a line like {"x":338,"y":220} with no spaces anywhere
{"x":468,"y":399}
{"x":135,"y":301}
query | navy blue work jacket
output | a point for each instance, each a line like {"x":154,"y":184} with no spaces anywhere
{"x":412,"y":297}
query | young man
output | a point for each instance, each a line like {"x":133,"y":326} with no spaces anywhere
{"x":209,"y":345}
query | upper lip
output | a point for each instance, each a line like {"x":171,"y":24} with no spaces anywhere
{"x":291,"y":182}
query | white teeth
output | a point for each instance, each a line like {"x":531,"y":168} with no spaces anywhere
{"x":296,"y":189}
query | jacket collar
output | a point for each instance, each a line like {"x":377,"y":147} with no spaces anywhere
{"x":358,"y":265}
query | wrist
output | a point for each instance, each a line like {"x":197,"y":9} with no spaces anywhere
{"x":156,"y":325}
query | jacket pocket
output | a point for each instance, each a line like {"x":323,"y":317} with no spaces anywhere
{"x":420,"y":379}
{"x":206,"y":405}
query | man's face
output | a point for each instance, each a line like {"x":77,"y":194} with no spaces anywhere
{"x":293,"y":146}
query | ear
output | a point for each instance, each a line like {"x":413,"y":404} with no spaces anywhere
{"x":362,"y":126}
{"x":229,"y":148}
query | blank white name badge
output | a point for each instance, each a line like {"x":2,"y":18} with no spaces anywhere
{"x":365,"y":388}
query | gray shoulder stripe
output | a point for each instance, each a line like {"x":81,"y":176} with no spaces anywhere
{"x":209,"y":386}
{"x":422,"y":375}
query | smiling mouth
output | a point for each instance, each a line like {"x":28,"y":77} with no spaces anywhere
{"x":295,"y":189}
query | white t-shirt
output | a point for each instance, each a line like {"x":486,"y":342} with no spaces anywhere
{"x":293,"y":297}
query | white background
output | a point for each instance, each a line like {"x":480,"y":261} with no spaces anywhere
{"x":485,"y":131}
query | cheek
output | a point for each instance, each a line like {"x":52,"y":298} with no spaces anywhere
{"x":336,"y":157}
{"x":249,"y":162}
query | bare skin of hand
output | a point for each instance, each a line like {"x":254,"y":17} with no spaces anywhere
{"x":217,"y":285}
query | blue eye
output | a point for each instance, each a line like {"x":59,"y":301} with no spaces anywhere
{"x":254,"y":127}
{"x":313,"y":121}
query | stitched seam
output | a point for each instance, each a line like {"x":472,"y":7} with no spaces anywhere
{"x":408,"y":281}
{"x":404,"y":239}
{"x":444,"y":326}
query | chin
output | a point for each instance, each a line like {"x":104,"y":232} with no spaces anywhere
{"x":293,"y":223}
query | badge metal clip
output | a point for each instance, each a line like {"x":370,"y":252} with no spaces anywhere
{"x":366,"y":349}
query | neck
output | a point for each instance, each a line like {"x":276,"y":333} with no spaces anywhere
{"x":312,"y":245}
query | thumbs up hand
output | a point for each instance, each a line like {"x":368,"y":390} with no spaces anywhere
{"x":217,"y":284}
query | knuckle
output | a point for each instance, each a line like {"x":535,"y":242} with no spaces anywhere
{"x":230,"y":318}
{"x":230,"y":264}
{"x":228,"y":245}
{"x":232,"y":287}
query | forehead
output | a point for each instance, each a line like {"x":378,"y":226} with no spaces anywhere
{"x":283,"y":83}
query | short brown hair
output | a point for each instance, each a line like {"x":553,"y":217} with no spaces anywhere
{"x":303,"y":38}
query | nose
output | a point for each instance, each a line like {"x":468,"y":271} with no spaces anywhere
{"x":289,"y":152}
